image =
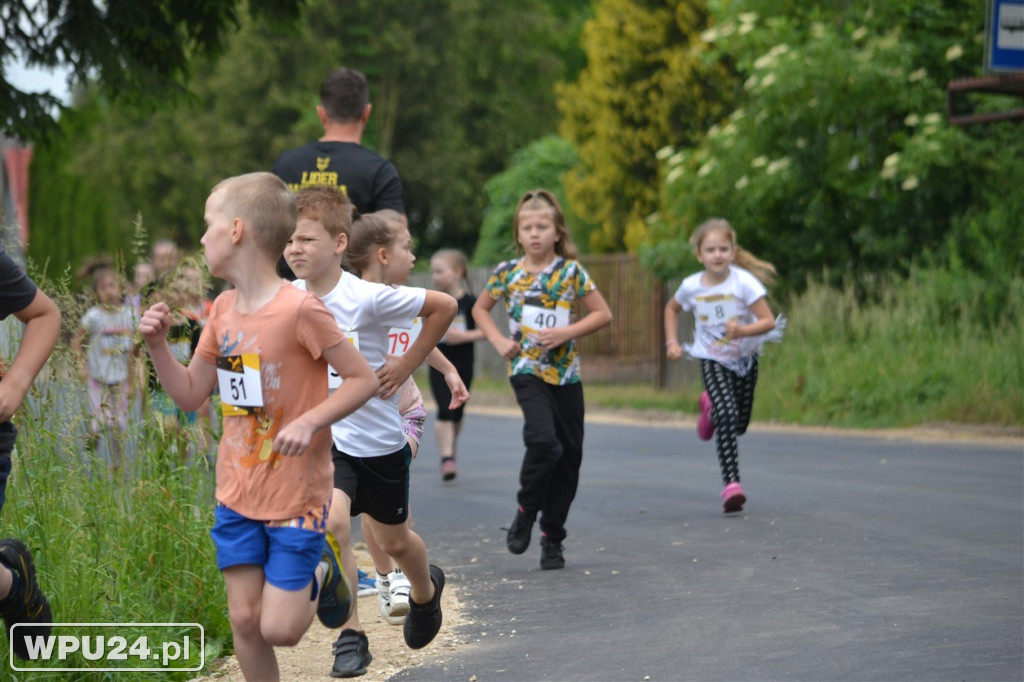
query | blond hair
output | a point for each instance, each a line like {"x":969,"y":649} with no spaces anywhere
{"x":369,"y":232}
{"x":543,"y":200}
{"x":266,"y":205}
{"x":763,"y":270}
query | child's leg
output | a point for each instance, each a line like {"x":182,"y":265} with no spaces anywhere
{"x":244,"y":584}
{"x":543,"y":448}
{"x":565,"y":475}
{"x":339,"y":524}
{"x":745,"y":386}
{"x":409,"y":552}
{"x":719,"y":383}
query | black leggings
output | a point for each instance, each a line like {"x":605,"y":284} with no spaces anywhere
{"x":732,"y":400}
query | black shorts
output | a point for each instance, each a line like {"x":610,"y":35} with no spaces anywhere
{"x":378,"y":486}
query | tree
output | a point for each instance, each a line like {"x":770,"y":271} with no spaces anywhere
{"x":645,"y":86}
{"x":135,"y":49}
{"x":838,"y":154}
{"x":457,"y":87}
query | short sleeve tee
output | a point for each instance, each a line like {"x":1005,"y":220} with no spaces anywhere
{"x":713,"y":306}
{"x":110,"y":334}
{"x":366,"y":312}
{"x":288,"y":336}
{"x":534,"y":301}
{"x":17,"y":291}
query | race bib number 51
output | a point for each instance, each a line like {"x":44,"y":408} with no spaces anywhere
{"x":241,"y":391}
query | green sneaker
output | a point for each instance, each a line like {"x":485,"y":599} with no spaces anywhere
{"x":335,"y":591}
{"x":28,"y":604}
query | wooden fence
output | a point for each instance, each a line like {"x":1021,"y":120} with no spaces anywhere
{"x":632,"y":348}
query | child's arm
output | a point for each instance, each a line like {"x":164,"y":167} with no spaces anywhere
{"x":455,"y":337}
{"x":358,"y":385}
{"x":765,"y":322}
{"x":456,"y":386}
{"x":672,"y":348}
{"x":187,"y":386}
{"x":598,"y":315}
{"x":42,"y":327}
{"x":506,"y":347}
{"x":437,"y":314}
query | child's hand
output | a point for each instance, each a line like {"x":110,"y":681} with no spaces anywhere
{"x":673,"y":350}
{"x":460,"y":394}
{"x":732,"y":330}
{"x":507,"y":348}
{"x":155,"y":323}
{"x":553,"y":337}
{"x":293,"y":439}
{"x":391,"y":375}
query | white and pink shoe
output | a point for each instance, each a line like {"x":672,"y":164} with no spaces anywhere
{"x":733,"y":498}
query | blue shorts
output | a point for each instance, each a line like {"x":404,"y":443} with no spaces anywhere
{"x":288,"y":555}
{"x":7,"y":435}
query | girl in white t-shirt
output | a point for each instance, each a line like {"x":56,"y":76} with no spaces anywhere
{"x":105,"y":340}
{"x":378,"y":253}
{"x":732,"y":322}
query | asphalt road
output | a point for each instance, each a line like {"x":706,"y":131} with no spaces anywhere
{"x":856,"y":558}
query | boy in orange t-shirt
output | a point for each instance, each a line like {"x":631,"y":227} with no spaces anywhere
{"x":267,"y":346}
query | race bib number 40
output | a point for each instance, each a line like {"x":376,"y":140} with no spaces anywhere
{"x":241,"y":391}
{"x":537,"y":318}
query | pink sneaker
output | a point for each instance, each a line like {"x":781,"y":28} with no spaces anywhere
{"x":705,"y":427}
{"x":448,"y":471}
{"x":733,"y":498}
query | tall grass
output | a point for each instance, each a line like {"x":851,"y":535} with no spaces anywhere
{"x":111,"y":546}
{"x":933,"y":347}
{"x":937,"y":346}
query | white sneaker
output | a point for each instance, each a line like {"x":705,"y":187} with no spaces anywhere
{"x":383,"y":594}
{"x":398,"y":598}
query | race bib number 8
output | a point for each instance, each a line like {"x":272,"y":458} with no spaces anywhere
{"x":241,"y":391}
{"x":536,"y":318}
{"x":715,"y":310}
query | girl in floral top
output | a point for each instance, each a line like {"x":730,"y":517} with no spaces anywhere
{"x":539,"y":289}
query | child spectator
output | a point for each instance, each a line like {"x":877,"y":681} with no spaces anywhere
{"x":267,"y":345}
{"x":106,"y":334}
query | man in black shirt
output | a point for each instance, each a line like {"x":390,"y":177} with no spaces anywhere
{"x":338,"y":159}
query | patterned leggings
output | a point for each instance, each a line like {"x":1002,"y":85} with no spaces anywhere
{"x":732,"y":399}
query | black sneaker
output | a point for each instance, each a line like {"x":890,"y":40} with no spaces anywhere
{"x":351,"y":654}
{"x":28,"y":604}
{"x":551,"y":554}
{"x":424,"y":621}
{"x":335,"y":605}
{"x":519,"y":532}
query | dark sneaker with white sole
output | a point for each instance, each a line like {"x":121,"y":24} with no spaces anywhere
{"x":351,"y":654}
{"x":28,"y":605}
{"x":424,"y":620}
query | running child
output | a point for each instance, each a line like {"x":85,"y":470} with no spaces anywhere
{"x":539,"y":289}
{"x":371,"y":453}
{"x":267,"y":346}
{"x":21,"y":598}
{"x":732,"y":321}
{"x":378,"y":252}
{"x":448,"y":270}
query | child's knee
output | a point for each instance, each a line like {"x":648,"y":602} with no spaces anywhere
{"x":281,"y":632}
{"x":245,"y":621}
{"x":340,"y":526}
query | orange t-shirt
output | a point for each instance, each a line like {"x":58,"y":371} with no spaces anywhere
{"x":287,"y":336}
